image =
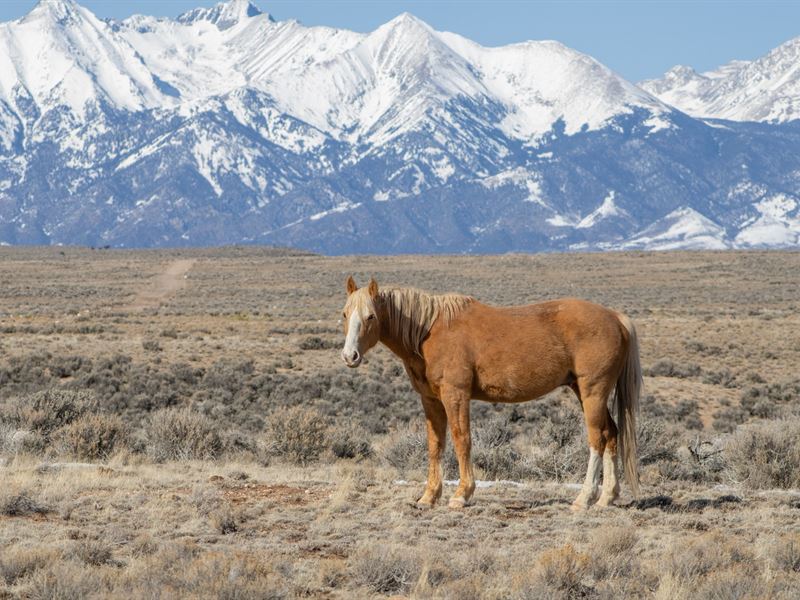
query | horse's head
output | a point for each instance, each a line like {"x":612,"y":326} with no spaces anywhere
{"x":361,"y":327}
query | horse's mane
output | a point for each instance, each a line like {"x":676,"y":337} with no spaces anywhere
{"x":411,"y":313}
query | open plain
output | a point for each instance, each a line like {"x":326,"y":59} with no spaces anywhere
{"x":179,"y":424}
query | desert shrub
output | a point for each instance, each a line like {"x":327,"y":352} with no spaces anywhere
{"x":17,"y":563}
{"x":783,"y":554}
{"x":318,"y":343}
{"x":668,"y":368}
{"x":350,"y":441}
{"x":47,"y":410}
{"x":215,"y":575}
{"x":655,"y":442}
{"x":64,"y":581}
{"x":181,"y":434}
{"x":765,"y":455}
{"x":730,"y":586}
{"x":698,"y":460}
{"x":151,"y":346}
{"x":224,"y":520}
{"x":228,"y":375}
{"x":560,"y":450}
{"x":384,"y":569}
{"x":702,"y":349}
{"x":297,"y":434}
{"x":93,"y":436}
{"x":494,"y":453}
{"x":724,"y":378}
{"x":20,"y":441}
{"x":687,"y":412}
{"x":612,"y":554}
{"x":406,"y":448}
{"x":20,"y":503}
{"x":770,"y":401}
{"x":144,"y":545}
{"x":92,"y":552}
{"x":727,"y":418}
{"x":559,"y":570}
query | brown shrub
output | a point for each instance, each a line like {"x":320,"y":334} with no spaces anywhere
{"x":92,"y":552}
{"x":298,"y":434}
{"x":181,"y":434}
{"x":17,"y":563}
{"x":765,"y":455}
{"x":384,"y":569}
{"x":558,"y":572}
{"x":350,"y":441}
{"x":20,"y":503}
{"x":66,"y":581}
{"x":46,"y":411}
{"x":93,"y":436}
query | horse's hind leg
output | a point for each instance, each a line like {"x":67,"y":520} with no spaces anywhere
{"x":595,"y":412}
{"x":610,"y":480}
{"x":437,"y":435}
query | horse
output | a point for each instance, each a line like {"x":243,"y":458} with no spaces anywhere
{"x":455,"y":349}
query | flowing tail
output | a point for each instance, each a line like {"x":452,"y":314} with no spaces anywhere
{"x":626,"y":399}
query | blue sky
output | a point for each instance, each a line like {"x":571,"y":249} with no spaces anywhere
{"x":638,"y":39}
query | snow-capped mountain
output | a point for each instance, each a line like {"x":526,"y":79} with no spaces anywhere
{"x":224,"y":125}
{"x":766,"y":89}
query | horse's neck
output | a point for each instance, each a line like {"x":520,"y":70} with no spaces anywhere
{"x":391,"y":341}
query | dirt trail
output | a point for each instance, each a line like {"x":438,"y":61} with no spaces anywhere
{"x":166,"y":283}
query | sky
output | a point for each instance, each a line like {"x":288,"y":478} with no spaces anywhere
{"x":639,"y":39}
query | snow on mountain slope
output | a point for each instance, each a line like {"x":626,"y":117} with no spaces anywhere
{"x":778,"y":222}
{"x":224,"y":126}
{"x":682,"y":229}
{"x":60,"y":54}
{"x":542,"y":82}
{"x":371,"y":87}
{"x":765,"y":89}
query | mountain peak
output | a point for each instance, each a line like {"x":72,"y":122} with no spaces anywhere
{"x":406,"y":20}
{"x":61,"y":11}
{"x":224,"y":15}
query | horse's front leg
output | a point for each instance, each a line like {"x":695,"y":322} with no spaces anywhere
{"x":436,"y":419}
{"x":456,"y":404}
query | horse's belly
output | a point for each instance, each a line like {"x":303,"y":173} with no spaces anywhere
{"x":517,"y":384}
{"x":516,"y":388}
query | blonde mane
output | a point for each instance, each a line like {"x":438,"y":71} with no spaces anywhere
{"x":411,"y":313}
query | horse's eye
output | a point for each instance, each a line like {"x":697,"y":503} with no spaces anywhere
{"x":344,"y":316}
{"x":371,"y":317}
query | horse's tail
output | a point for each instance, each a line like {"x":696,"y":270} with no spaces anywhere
{"x":626,"y":399}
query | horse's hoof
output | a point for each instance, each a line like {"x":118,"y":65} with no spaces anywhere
{"x":580,"y":506}
{"x":605,"y":502}
{"x":457,"y":502}
{"x":424,"y":505}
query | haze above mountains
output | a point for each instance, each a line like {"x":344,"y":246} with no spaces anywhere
{"x":225,"y":126}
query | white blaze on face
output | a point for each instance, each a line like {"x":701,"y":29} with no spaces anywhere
{"x":351,"y":342}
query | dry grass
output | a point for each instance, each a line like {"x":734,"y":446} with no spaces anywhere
{"x":228,"y":454}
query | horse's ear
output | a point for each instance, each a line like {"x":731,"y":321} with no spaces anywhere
{"x":351,"y":285}
{"x":373,"y":288}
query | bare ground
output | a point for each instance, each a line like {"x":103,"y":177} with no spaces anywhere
{"x":713,"y":326}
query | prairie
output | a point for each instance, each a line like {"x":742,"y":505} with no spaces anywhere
{"x":179,"y":424}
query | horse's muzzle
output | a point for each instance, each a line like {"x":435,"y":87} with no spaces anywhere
{"x":353,"y":359}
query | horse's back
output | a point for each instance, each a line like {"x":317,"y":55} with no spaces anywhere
{"x":521,"y":352}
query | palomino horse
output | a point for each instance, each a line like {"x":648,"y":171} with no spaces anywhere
{"x":455,"y":348}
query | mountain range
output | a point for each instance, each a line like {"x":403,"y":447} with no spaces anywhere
{"x":224,"y":126}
